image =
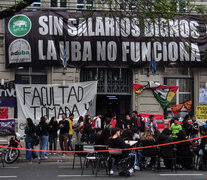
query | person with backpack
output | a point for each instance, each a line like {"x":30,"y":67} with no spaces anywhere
{"x":96,"y":123}
{"x":29,"y":140}
{"x":43,"y":132}
{"x":70,"y":133}
{"x":53,"y":124}
{"x":63,"y":136}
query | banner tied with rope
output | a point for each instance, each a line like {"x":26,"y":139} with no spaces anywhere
{"x":177,"y":108}
{"x":163,"y":94}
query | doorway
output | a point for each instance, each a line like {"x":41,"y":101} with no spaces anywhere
{"x":113,"y":91}
{"x":112,"y":104}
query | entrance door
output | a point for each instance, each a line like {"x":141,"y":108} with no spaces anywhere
{"x":110,"y":104}
{"x":114,"y":89}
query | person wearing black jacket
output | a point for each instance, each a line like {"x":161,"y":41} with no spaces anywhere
{"x":166,"y":152}
{"x":148,"y":140}
{"x":29,"y":139}
{"x":43,"y":134}
{"x":63,"y":136}
{"x":86,"y":136}
{"x":186,"y":125}
{"x":117,"y":142}
{"x":53,"y":133}
{"x":183,"y":154}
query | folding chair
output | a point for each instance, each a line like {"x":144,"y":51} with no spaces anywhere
{"x":90,"y":157}
{"x":170,"y":156}
{"x":148,"y":153}
{"x":102,"y":157}
{"x":78,"y":147}
{"x":123,"y":161}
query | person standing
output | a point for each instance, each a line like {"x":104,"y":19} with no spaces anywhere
{"x":29,"y":139}
{"x":70,"y":133}
{"x":151,"y":124}
{"x":175,"y":128}
{"x":53,"y":133}
{"x":193,"y":129}
{"x":186,"y":125}
{"x":113,"y":120}
{"x":127,"y":123}
{"x":63,"y":136}
{"x":43,"y":133}
{"x":134,"y":118}
{"x":97,"y":121}
{"x":87,"y":130}
{"x":77,"y":128}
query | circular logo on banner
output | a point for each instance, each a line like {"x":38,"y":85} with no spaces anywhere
{"x":19,"y":25}
{"x":19,"y":51}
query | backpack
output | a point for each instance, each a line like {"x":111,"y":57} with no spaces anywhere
{"x":82,"y":129}
{"x":94,"y":122}
{"x":39,"y":130}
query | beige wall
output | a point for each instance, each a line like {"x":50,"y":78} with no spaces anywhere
{"x":200,"y":79}
{"x":145,"y":102}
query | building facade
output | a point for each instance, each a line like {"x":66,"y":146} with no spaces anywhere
{"x":115,"y":92}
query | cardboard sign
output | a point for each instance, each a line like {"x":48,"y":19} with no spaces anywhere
{"x":201,"y":112}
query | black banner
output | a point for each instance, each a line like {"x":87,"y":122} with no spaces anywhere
{"x":70,"y":39}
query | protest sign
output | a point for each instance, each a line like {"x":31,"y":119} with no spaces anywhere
{"x":35,"y":101}
{"x":201,"y":112}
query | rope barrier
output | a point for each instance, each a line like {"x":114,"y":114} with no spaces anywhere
{"x":95,"y":151}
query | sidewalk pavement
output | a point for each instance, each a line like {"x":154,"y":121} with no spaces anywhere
{"x":51,"y":157}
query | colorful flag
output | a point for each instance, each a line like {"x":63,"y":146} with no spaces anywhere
{"x":176,"y":108}
{"x":138,"y":88}
{"x":163,"y":94}
{"x":188,"y":105}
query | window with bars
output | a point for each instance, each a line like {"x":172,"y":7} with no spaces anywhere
{"x":29,"y":75}
{"x":184,"y":93}
{"x":110,"y":81}
{"x":58,"y":3}
{"x":84,"y":4}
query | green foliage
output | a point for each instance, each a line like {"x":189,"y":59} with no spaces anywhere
{"x":15,"y":8}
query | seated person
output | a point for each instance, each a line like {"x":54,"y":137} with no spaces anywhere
{"x":104,"y":136}
{"x":127,"y":135}
{"x":184,"y":155}
{"x":148,"y":140}
{"x":203,"y":147}
{"x":166,"y":152}
{"x":117,"y":142}
{"x":97,"y":135}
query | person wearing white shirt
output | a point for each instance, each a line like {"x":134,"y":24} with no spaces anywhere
{"x":97,"y":120}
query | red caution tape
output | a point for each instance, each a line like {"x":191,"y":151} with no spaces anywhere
{"x":128,"y":149}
